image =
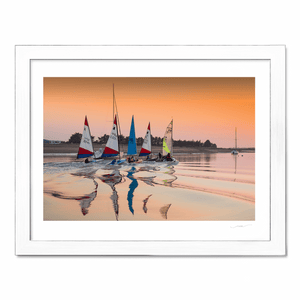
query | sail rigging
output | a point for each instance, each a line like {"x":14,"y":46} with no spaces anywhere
{"x":168,"y":140}
{"x":118,"y":120}
{"x":146,"y":148}
{"x":132,"y":140}
{"x":86,"y":144}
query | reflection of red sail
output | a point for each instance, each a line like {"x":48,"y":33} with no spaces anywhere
{"x":145,"y":202}
{"x":164,"y":210}
{"x":147,"y":180}
{"x":114,"y":197}
{"x":85,"y":201}
{"x":111,"y":180}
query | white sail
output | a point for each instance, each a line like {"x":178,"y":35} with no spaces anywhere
{"x":146,"y":148}
{"x":167,"y":140}
{"x":86,"y":145}
{"x":112,"y":146}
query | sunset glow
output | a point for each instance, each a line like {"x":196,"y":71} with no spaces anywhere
{"x":202,"y":108}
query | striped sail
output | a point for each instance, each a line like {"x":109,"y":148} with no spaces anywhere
{"x":132,"y":141}
{"x":146,"y":148}
{"x":86,"y":145}
{"x":112,"y":147}
{"x":167,"y":140}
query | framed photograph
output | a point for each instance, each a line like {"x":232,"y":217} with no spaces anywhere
{"x":150,"y":150}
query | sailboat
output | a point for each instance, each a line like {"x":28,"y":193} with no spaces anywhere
{"x":168,"y":144}
{"x":168,"y":140}
{"x":132,"y":140}
{"x":146,"y":147}
{"x":86,"y":145}
{"x":235,"y":152}
{"x":131,"y":151}
{"x":112,"y":146}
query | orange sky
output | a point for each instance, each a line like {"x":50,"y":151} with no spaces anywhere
{"x":202,"y":108}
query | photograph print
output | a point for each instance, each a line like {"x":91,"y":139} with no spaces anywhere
{"x":149,"y":149}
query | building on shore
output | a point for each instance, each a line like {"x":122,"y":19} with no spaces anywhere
{"x":51,"y":142}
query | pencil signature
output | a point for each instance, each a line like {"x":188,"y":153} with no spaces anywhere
{"x":240,"y":226}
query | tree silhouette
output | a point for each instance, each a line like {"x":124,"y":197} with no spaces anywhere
{"x":155,"y":141}
{"x":207,"y":143}
{"x":75,"y":138}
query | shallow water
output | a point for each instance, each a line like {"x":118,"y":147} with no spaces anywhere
{"x":216,"y":186}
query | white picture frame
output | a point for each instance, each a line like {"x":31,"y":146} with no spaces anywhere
{"x":274,"y":245}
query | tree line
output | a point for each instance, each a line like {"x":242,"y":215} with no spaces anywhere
{"x":75,"y":138}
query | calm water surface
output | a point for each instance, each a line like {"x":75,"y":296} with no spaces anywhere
{"x":216,"y":186}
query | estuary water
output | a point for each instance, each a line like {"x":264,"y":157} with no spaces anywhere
{"x":217,"y":186}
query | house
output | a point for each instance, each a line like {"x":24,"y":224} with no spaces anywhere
{"x":51,"y":142}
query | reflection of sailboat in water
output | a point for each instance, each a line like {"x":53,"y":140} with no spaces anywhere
{"x":112,"y":179}
{"x":235,"y":165}
{"x":145,"y":202}
{"x":164,"y":210}
{"x":169,"y":181}
{"x":85,"y":201}
{"x":114,"y":197}
{"x":133,"y":185}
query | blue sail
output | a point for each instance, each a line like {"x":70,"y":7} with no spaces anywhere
{"x":132,"y":141}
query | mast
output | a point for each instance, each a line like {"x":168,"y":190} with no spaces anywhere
{"x":172,"y":139}
{"x":113,"y":103}
{"x":235,"y":139}
{"x":118,"y":139}
{"x":118,"y":122}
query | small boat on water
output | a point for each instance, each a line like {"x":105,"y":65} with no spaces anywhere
{"x":86,"y":146}
{"x":131,"y":150}
{"x":235,"y":152}
{"x":112,"y":146}
{"x":146,"y":147}
{"x":168,"y":145}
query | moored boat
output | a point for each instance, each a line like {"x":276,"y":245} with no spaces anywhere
{"x":235,"y":152}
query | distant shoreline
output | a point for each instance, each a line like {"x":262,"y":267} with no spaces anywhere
{"x":73,"y":148}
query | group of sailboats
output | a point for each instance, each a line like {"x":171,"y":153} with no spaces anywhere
{"x":112,"y":146}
